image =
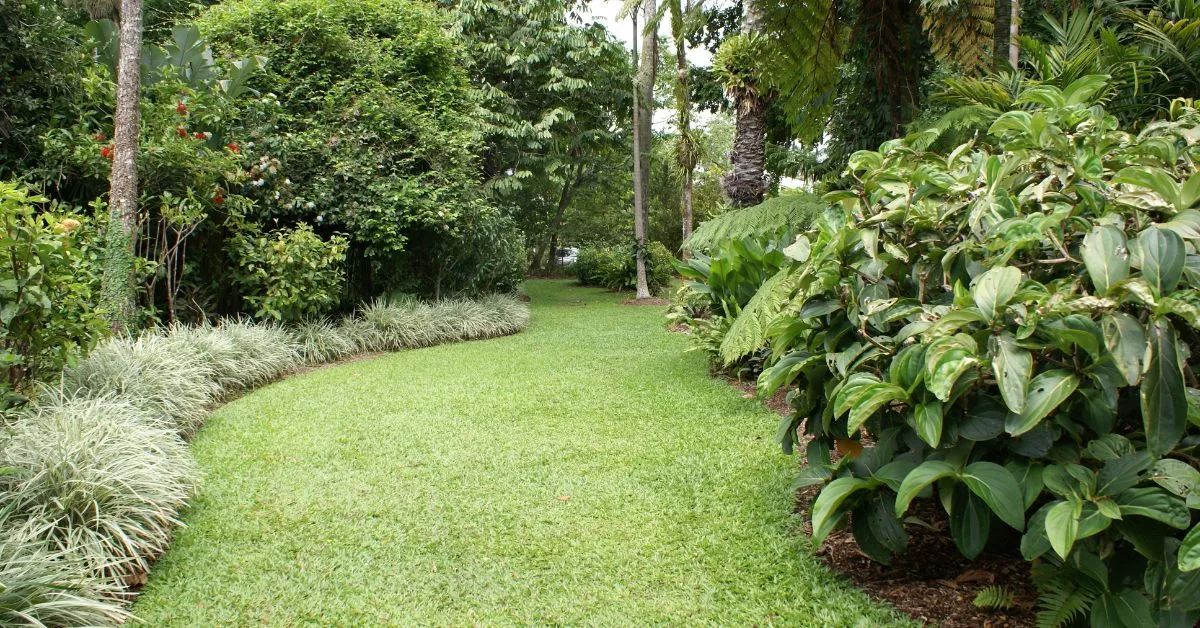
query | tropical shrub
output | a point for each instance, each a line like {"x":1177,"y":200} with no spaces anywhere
{"x":1010,"y":328}
{"x":47,"y":291}
{"x":288,"y":274}
{"x":97,"y":479}
{"x":615,"y":268}
{"x":376,"y":125}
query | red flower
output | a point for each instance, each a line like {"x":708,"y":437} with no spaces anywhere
{"x":181,"y":108}
{"x":233,"y":147}
{"x":107,"y":152}
{"x":100,"y":137}
{"x":218,"y":199}
{"x":181,"y":131}
{"x":199,"y":135}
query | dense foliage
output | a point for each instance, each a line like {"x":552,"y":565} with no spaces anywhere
{"x":1009,"y":327}
{"x":614,"y":267}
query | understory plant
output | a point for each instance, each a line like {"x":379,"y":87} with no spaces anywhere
{"x":615,"y":268}
{"x":1008,"y":329}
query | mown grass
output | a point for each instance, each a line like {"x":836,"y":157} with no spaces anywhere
{"x":587,"y":471}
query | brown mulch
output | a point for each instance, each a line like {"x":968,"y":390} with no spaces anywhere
{"x":931,"y":582}
{"x":646,"y":301}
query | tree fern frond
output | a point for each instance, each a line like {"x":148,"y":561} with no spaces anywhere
{"x":748,"y":332}
{"x":802,"y":57}
{"x":961,"y":32}
{"x":771,"y":216}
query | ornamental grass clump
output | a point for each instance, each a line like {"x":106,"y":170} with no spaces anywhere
{"x":1011,"y":328}
{"x":96,"y":479}
{"x":170,"y":381}
{"x":268,"y":351}
{"x":40,"y":587}
{"x":323,"y":341}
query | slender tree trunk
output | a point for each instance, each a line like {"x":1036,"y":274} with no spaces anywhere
{"x":1014,"y":33}
{"x":687,"y":147}
{"x":746,"y":183}
{"x":564,"y":199}
{"x":643,"y":118}
{"x":1000,"y":36}
{"x":117,"y":287}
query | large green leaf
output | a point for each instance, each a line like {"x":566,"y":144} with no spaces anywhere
{"x":1046,"y":392}
{"x":1189,"y":550}
{"x":998,"y":489}
{"x":1013,"y":367}
{"x":928,"y":420}
{"x":1126,"y":341}
{"x":1176,"y":476}
{"x":1157,"y":504}
{"x":1155,"y":179}
{"x":1163,"y":257}
{"x":1062,"y":526}
{"x":869,"y":399}
{"x":946,"y":360}
{"x":1123,"y":473}
{"x":827,"y":510}
{"x":1127,"y":609}
{"x":925,"y":474}
{"x":1106,"y":257}
{"x":1163,"y":394}
{"x":970,"y":522}
{"x":994,"y":289}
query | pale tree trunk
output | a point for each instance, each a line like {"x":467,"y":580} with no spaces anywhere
{"x":746,"y":183}
{"x":687,"y":148}
{"x":643,"y":107}
{"x":1014,"y":33}
{"x":117,"y":283}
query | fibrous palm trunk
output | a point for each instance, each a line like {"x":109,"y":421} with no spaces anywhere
{"x":745,"y":184}
{"x":117,"y":285}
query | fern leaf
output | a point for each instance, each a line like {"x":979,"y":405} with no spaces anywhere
{"x":748,"y":332}
{"x":769,"y":217}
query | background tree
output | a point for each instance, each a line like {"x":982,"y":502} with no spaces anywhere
{"x":642,"y":133}
{"x":118,"y":294}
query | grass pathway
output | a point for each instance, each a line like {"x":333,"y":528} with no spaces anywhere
{"x":587,"y":471}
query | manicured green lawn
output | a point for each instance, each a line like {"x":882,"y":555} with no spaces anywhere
{"x":587,"y":471}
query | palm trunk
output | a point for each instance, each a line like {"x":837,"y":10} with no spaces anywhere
{"x":643,"y":112}
{"x":1014,"y":33}
{"x":117,"y":287}
{"x":746,"y":184}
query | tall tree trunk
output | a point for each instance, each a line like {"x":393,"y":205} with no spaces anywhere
{"x":1014,"y":33}
{"x":117,"y":282}
{"x":746,"y":183}
{"x":687,"y":144}
{"x":643,"y":107}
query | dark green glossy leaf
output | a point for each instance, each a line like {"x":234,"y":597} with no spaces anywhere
{"x":998,"y":489}
{"x":1062,"y":526}
{"x":925,"y":474}
{"x":970,"y":522}
{"x":827,"y":509}
{"x":1157,"y":504}
{"x":1163,"y":255}
{"x":928,"y":420}
{"x":1126,"y":341}
{"x":1163,"y":395}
